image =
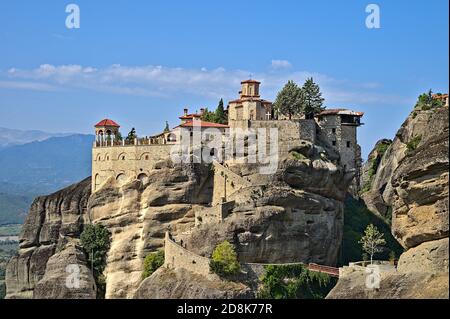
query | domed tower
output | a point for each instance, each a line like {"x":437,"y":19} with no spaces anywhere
{"x":106,"y":130}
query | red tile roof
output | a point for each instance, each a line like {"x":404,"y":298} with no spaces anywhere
{"x":439,"y":96}
{"x":107,"y":122}
{"x":203,"y":124}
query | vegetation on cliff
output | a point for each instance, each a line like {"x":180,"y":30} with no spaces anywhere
{"x":374,"y":162}
{"x":426,"y":101}
{"x":294,"y":282}
{"x":152,"y":262}
{"x":224,"y":260}
{"x":95,"y":240}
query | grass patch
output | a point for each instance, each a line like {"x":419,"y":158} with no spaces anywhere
{"x":298,"y":156}
{"x":411,"y":146}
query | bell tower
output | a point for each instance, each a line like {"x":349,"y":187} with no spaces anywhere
{"x":106,"y":130}
{"x":250,"y":89}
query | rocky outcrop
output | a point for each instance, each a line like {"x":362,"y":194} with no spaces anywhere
{"x":412,"y":182}
{"x":419,"y":285}
{"x":423,"y":138}
{"x":66,"y":276}
{"x":181,"y":284}
{"x":138,"y":215}
{"x":295,"y":216}
{"x":53,"y":222}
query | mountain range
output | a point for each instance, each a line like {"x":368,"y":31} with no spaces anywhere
{"x":38,"y":167}
{"x":11,"y":137}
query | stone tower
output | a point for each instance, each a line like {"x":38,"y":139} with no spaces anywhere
{"x":339,"y":127}
{"x":249,"y":106}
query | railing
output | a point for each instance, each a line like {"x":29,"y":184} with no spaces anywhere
{"x":125,"y":142}
{"x":332,"y":271}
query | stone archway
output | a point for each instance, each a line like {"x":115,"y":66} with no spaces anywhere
{"x":143,"y":178}
{"x":121,"y":179}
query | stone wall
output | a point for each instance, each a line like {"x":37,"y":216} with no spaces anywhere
{"x":333,"y":131}
{"x":178,"y":257}
{"x":125,"y":163}
{"x":290,"y":132}
{"x":213,"y":214}
{"x":226,"y":183}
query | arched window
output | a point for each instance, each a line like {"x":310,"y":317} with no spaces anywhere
{"x":121,"y":178}
{"x":143,"y":178}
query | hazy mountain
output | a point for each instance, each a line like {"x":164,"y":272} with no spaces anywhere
{"x":39,"y":168}
{"x":10,"y":137}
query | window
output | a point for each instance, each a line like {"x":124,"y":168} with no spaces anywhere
{"x":333,"y":130}
{"x":334,"y":143}
{"x":123,"y":158}
{"x":146,"y":157}
{"x":348,"y":144}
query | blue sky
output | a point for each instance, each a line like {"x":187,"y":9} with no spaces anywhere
{"x":141,"y":62}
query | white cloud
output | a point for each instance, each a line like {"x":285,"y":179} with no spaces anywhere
{"x":26,"y":85}
{"x":161,"y":81}
{"x":281,"y":64}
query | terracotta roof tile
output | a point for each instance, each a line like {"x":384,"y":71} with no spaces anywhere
{"x":107,"y":122}
{"x":203,"y":124}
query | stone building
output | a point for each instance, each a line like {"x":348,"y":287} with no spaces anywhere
{"x":121,"y":160}
{"x":339,"y":127}
{"x":249,"y":106}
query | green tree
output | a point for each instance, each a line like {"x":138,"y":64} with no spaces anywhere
{"x":208,"y":116}
{"x":294,"y":282}
{"x":95,"y":241}
{"x":426,"y":102}
{"x":220,"y":116}
{"x":224,"y":260}
{"x":119,"y":137}
{"x":152,"y":262}
{"x":132,"y":135}
{"x":372,"y":241}
{"x":289,"y":101}
{"x":312,"y":99}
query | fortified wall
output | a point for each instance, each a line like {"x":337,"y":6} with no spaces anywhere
{"x":226,"y":183}
{"x":126,"y":162}
{"x":176,"y":256}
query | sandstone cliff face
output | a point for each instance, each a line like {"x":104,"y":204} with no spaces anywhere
{"x":296,"y":216}
{"x":412,"y":182}
{"x":48,"y":243}
{"x":181,"y":284}
{"x":138,"y":216}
